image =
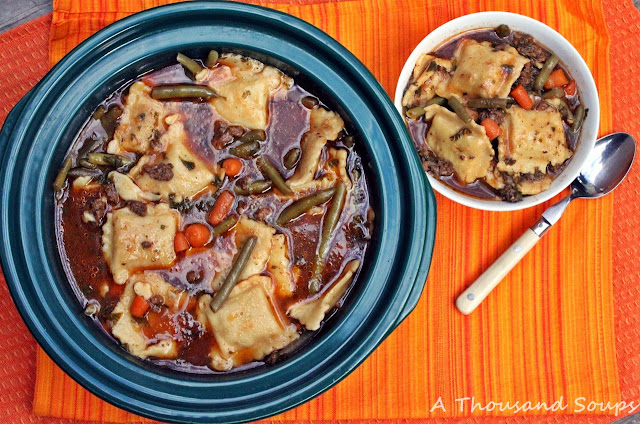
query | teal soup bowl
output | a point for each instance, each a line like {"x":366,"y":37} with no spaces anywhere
{"x":40,"y":129}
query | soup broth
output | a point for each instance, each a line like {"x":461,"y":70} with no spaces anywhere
{"x":212,"y":214}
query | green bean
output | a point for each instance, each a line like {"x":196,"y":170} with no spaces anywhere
{"x":545,"y":71}
{"x":495,"y":103}
{"x":331,"y":218}
{"x":99,"y":112}
{"x":292,"y":347}
{"x":58,"y":183}
{"x":309,"y":102}
{"x":115,"y":161}
{"x":272,"y":173}
{"x":554,"y":93}
{"x":292,"y":157}
{"x":328,"y":227}
{"x":224,"y":226}
{"x":253,"y":135}
{"x":86,"y":164}
{"x":245,"y":150}
{"x":316,"y":275}
{"x":565,"y":110}
{"x":183,"y":91}
{"x":237,"y":268}
{"x":503,"y":31}
{"x":578,"y":118}
{"x":109,"y":119}
{"x":256,"y":187}
{"x":459,"y":109}
{"x":110,"y":116}
{"x":89,"y":145}
{"x":212,"y":59}
{"x":84,"y":172}
{"x":441,"y":101}
{"x":415,"y":112}
{"x":301,"y":206}
{"x":193,"y":66}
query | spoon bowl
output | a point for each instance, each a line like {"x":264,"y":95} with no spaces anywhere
{"x":607,"y":165}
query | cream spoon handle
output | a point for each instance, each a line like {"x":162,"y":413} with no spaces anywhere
{"x":469,"y":300}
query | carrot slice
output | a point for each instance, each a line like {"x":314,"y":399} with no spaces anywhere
{"x":139,"y":306}
{"x":522,"y":97}
{"x":491,"y":127}
{"x":232,"y":166}
{"x":180,"y":243}
{"x":197,"y":234}
{"x":557,"y":79}
{"x":221,"y":208}
{"x":570,"y":89}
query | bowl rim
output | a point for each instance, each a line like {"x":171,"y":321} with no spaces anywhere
{"x":578,"y":69}
{"x":405,"y":294}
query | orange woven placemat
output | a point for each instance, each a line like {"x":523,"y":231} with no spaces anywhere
{"x":367,"y":385}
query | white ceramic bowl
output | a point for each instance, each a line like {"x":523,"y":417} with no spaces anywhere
{"x":571,"y":60}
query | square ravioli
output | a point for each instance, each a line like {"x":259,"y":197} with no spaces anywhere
{"x":466,"y":146}
{"x":141,"y":122}
{"x":246,"y":228}
{"x":430,"y":75}
{"x":279,"y":266}
{"x":310,"y":314}
{"x":247,"y":324}
{"x":245,"y":98}
{"x":131,"y":242}
{"x":531,"y":140}
{"x":324,"y":126}
{"x":484,"y":71}
{"x":257,"y":262}
{"x":128,"y":330}
{"x":179,"y":174}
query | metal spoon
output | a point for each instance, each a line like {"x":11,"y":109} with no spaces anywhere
{"x":606,"y":167}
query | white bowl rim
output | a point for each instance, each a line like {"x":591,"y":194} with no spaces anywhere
{"x":569,"y":57}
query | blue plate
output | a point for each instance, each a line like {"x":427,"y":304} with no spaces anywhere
{"x":41,"y":127}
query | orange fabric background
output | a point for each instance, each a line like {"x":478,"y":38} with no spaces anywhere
{"x":567,"y":339}
{"x":546,"y":334}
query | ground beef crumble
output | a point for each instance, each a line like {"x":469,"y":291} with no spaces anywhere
{"x":542,"y":105}
{"x":156,"y":302}
{"x":262,"y":214}
{"x":496,"y":114}
{"x":527,"y":76}
{"x":139,"y":208}
{"x":434,"y":165}
{"x":556,"y":169}
{"x":527,"y":46}
{"x":509,"y":192}
{"x":224,"y":134}
{"x":98,"y":208}
{"x":160,"y":172}
{"x":530,"y":177}
{"x":111,"y":193}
